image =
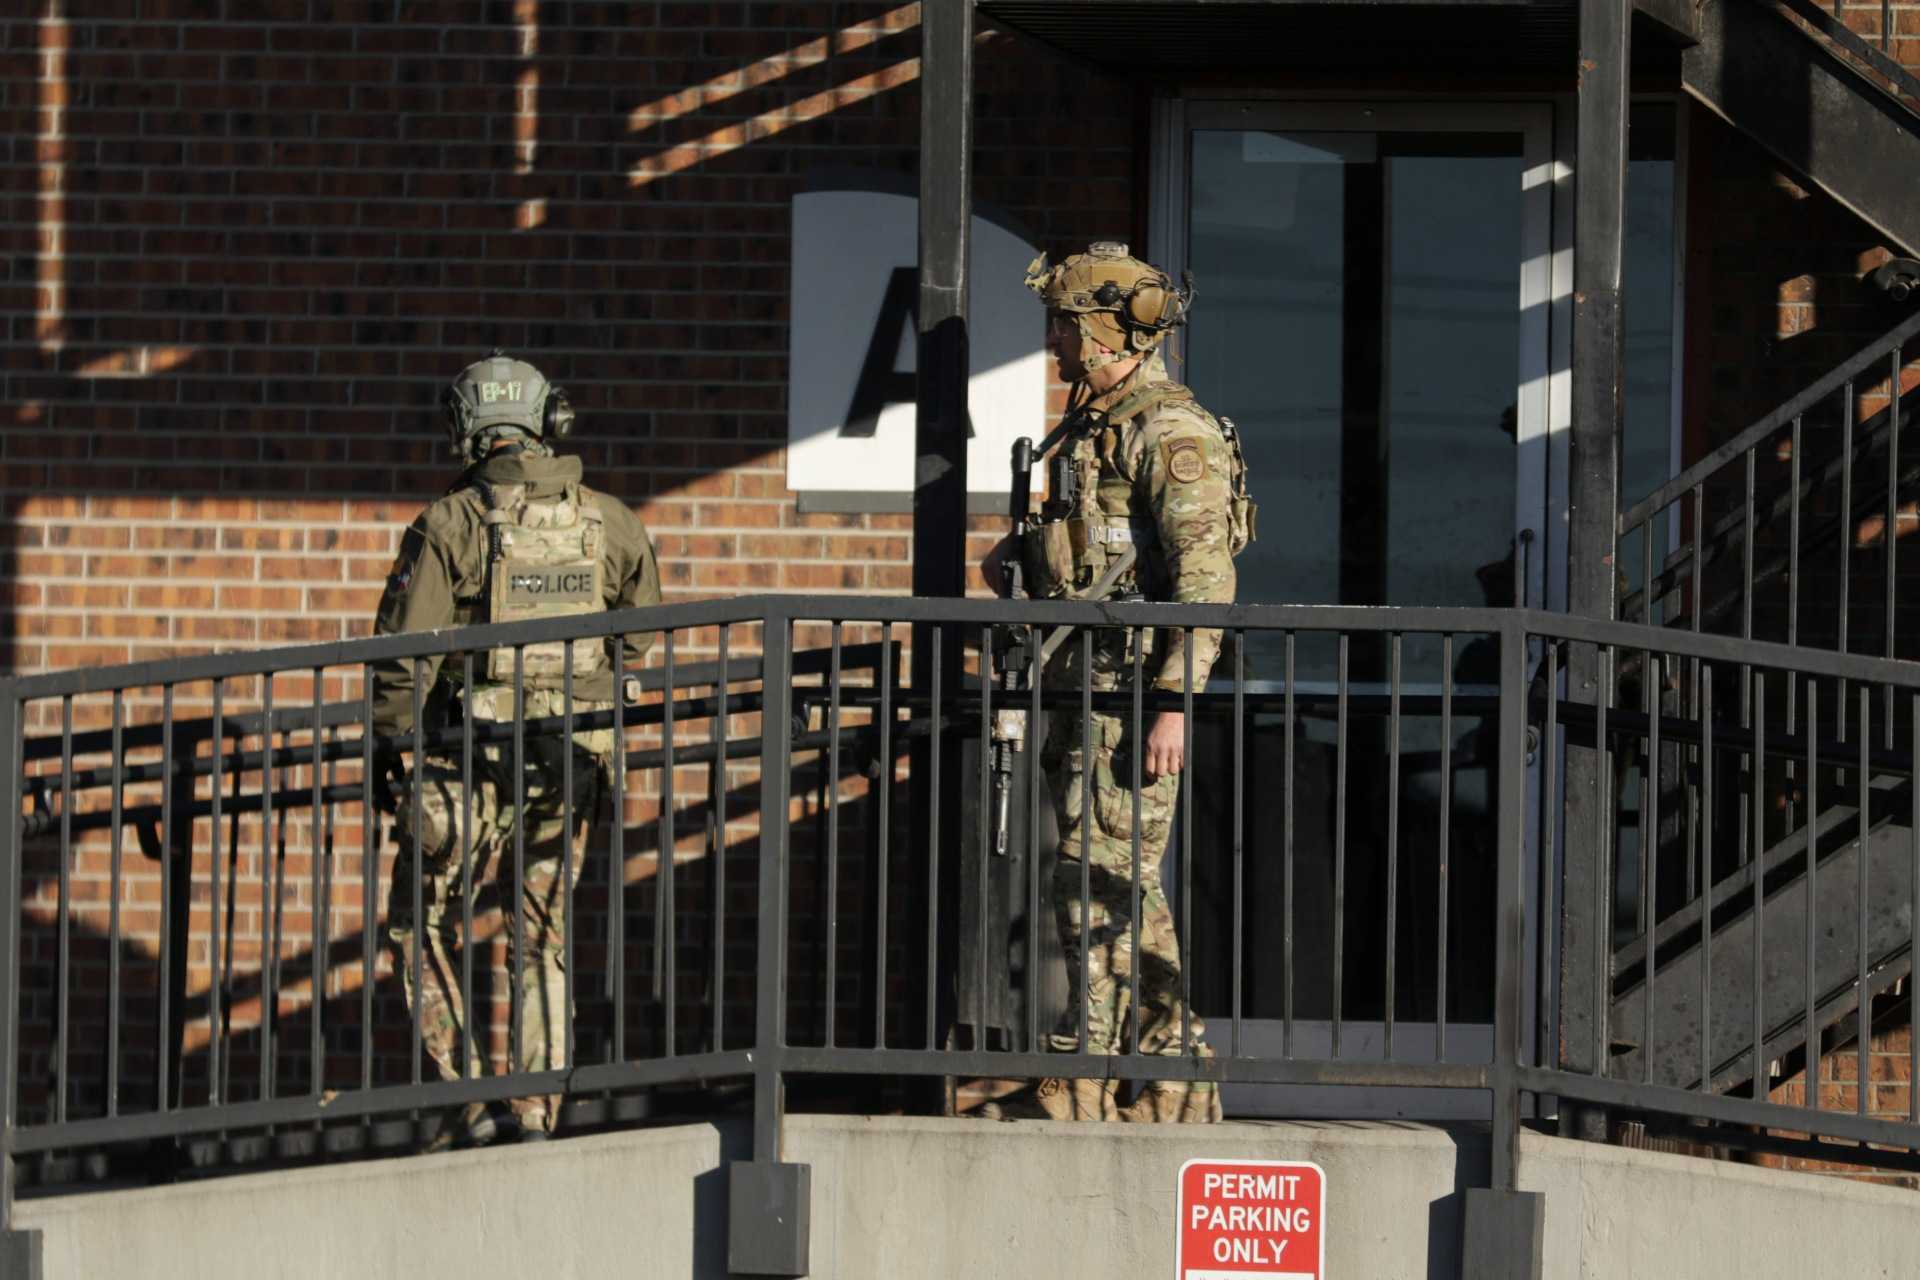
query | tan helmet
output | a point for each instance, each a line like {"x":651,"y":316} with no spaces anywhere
{"x":1120,"y":302}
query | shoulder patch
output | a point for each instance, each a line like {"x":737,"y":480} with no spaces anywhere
{"x":1185,"y":461}
{"x":400,"y":577}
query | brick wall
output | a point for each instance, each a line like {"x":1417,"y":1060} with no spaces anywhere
{"x":245,"y":247}
{"x":243,"y":254}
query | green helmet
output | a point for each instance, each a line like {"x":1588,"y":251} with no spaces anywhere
{"x":501,"y":396}
{"x":1118,"y":301}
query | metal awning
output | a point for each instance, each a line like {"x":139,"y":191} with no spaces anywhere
{"x":1438,"y":37}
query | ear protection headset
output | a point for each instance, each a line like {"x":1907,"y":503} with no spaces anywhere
{"x":1150,"y":309}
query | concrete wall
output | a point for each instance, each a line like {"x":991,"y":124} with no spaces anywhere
{"x":900,"y":1197}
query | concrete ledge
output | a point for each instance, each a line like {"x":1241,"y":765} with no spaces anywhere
{"x":899,"y":1197}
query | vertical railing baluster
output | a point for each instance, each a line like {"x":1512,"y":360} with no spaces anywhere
{"x":471,"y":1046}
{"x":1340,"y":847}
{"x":719,"y":854}
{"x":1846,"y":538}
{"x":831,"y":1001}
{"x":1086,"y":833}
{"x":115,"y":888}
{"x":219,"y":1060}
{"x":165,"y":1044}
{"x":1893,"y":526}
{"x":1393,"y":830}
{"x":666,"y":900}
{"x":1239,"y":776}
{"x":1757,"y":695}
{"x":1646,"y":570}
{"x":12,"y":753}
{"x":1707,"y":761}
{"x":1793,"y":621}
{"x":883,"y":783}
{"x":517,"y":945}
{"x":1811,"y":906}
{"x":270,"y":898}
{"x":567,"y":819}
{"x":1603,"y":884}
{"x":416,"y":784}
{"x":1186,"y":841}
{"x":983,"y":897}
{"x":1863,"y":1006}
{"x":1442,"y":877}
{"x":936,"y":731}
{"x":617,"y":866}
{"x":317,"y":907}
{"x":1034,"y":679}
{"x":369,"y":874}
{"x":1136,"y":749}
{"x":1650,"y":862}
{"x":62,"y":1027}
{"x":1287,"y":866}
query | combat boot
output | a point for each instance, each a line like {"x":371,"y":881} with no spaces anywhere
{"x":471,"y":1125}
{"x":1057,"y":1099}
{"x":1174,"y":1102}
{"x":1063,"y":1099}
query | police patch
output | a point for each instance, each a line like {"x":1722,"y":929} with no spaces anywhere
{"x":1185,"y":462}
{"x":400,"y":577}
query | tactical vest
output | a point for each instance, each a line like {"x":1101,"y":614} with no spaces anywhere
{"x":1068,"y":554}
{"x":543,"y":561}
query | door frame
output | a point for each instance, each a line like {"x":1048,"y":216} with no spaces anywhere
{"x":1543,"y":403}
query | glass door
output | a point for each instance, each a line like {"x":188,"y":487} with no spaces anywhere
{"x":1373,"y":290}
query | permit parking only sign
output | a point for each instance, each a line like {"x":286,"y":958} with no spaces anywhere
{"x":1252,"y":1220}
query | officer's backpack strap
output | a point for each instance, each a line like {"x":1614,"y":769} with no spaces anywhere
{"x":1147,"y":397}
{"x":586,"y":509}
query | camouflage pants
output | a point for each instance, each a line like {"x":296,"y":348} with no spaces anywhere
{"x":1103,"y":937}
{"x":539,"y":947}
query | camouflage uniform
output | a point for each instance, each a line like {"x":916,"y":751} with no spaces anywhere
{"x":441,"y":579}
{"x":1155,"y":471}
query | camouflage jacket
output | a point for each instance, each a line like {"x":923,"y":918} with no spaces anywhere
{"x":1148,"y":455}
{"x":439,"y":578}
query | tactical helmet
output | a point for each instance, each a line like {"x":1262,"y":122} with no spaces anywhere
{"x":1118,"y":301}
{"x":501,"y":396}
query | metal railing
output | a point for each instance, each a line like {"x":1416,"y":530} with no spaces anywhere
{"x":1771,"y":529}
{"x":1758,"y":828}
{"x":1365,"y":876}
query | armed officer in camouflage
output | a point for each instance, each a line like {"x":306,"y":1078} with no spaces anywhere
{"x":1148,"y":500}
{"x":517,"y":536}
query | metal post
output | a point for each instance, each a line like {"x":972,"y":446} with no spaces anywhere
{"x":20,"y":1251}
{"x":946,"y":212}
{"x":1598,"y":382}
{"x":1504,"y":1230}
{"x":940,"y":449}
{"x":768,"y":1210}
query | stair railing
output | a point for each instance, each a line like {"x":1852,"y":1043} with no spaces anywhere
{"x":1883,"y":71}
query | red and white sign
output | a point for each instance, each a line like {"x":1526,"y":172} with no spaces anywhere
{"x":1252,"y":1220}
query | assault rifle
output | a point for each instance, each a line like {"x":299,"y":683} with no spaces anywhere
{"x":1015,"y":654}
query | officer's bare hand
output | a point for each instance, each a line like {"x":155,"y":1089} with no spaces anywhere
{"x":1167,"y":744}
{"x":994,"y":567}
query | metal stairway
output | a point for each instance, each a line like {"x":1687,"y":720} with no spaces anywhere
{"x":1707,"y":980}
{"x":1827,"y":103}
{"x":1784,"y":541}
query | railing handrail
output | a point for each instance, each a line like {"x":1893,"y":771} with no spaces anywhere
{"x":738,"y":610}
{"x":1680,"y":485}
